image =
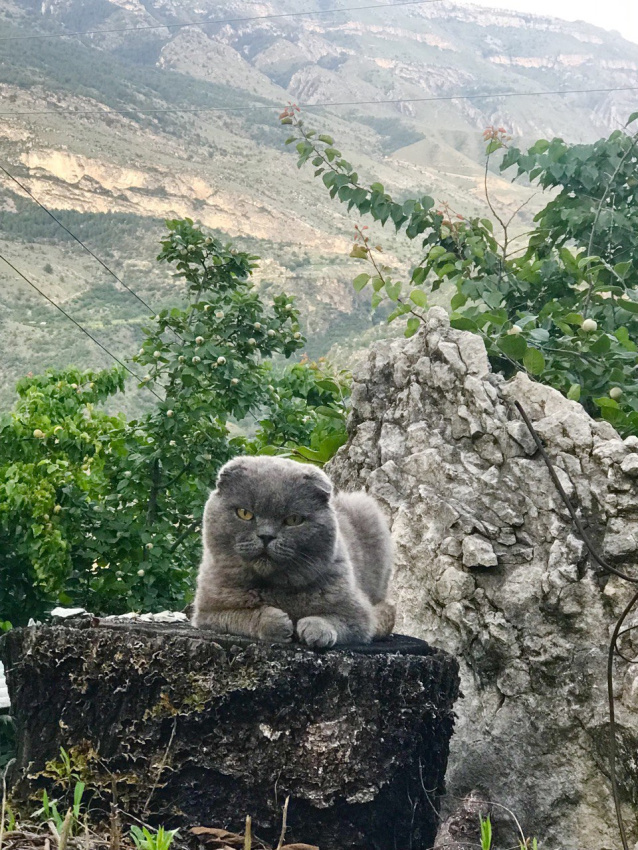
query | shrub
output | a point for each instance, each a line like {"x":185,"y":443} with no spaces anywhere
{"x":104,"y":513}
{"x":561,"y":306}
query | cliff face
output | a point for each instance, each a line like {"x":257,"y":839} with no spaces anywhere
{"x":488,"y":568}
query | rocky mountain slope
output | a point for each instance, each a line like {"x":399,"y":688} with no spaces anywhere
{"x":213,"y":150}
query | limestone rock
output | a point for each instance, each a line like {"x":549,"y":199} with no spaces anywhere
{"x":630,"y":465}
{"x":488,"y":567}
{"x":478,"y":552}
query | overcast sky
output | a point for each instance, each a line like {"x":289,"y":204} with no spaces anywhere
{"x":620,"y":15}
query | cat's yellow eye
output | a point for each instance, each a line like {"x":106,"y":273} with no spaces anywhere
{"x":293,"y":519}
{"x":242,"y":513}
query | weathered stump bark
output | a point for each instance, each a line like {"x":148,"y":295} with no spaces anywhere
{"x":225,"y":727}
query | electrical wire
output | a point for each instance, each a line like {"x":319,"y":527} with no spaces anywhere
{"x":77,"y":239}
{"x":568,"y":504}
{"x":219,"y":21}
{"x":307,"y":106}
{"x":78,"y":325}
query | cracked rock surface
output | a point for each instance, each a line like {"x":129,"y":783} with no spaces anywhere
{"x":489,"y":569}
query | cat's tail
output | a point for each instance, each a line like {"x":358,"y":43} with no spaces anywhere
{"x":384,"y":615}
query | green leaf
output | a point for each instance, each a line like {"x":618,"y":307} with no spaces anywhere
{"x":605,"y":402}
{"x":623,"y":269}
{"x":462,"y":323}
{"x":361,"y":281}
{"x":534,"y":361}
{"x":601,"y":345}
{"x":587,"y":261}
{"x":327,"y":140}
{"x":330,"y":412}
{"x":329,"y":386}
{"x":329,"y":446}
{"x":513,"y":345}
{"x":629,"y":306}
{"x":358,"y":252}
{"x":309,"y":454}
{"x":573,"y":392}
{"x":419,"y":297}
{"x":458,"y":300}
{"x":622,"y":335}
{"x":393,"y":290}
{"x":486,"y":832}
{"x":412,"y":327}
{"x":419,"y":275}
{"x":540,"y":146}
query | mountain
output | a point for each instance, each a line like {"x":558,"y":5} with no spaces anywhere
{"x":213,"y":149}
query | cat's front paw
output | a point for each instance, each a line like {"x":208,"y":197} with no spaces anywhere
{"x":275,"y":624}
{"x":315,"y":631}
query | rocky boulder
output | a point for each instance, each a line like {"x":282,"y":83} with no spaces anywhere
{"x":489,"y":568}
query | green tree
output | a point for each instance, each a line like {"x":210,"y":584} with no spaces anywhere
{"x":563,"y":307}
{"x":105,"y":513}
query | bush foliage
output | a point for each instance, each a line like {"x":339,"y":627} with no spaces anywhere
{"x":102,"y":512}
{"x":560,"y":303}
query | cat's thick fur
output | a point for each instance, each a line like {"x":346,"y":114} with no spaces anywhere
{"x":303,"y":561}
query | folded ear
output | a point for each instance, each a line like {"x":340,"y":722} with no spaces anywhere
{"x":230,"y":472}
{"x":321,"y":484}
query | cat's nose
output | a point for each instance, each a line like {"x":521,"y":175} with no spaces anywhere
{"x":266,"y":538}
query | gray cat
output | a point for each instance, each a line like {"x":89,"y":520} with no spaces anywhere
{"x":284,"y":555}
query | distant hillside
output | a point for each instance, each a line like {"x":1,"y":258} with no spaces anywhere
{"x":114,"y":178}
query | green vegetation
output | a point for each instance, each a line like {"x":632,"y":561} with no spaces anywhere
{"x":394,"y":134}
{"x":64,"y":824}
{"x":102,"y":231}
{"x":559,"y":303}
{"x":103,"y":512}
{"x":160,"y":839}
{"x":486,"y":833}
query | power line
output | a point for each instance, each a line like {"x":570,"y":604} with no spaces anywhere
{"x":76,"y":238}
{"x":78,"y":325}
{"x":219,"y":21}
{"x":260,"y":106}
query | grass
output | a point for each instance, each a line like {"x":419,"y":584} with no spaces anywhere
{"x":81,"y":829}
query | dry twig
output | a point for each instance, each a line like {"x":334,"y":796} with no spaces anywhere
{"x":66,"y":830}
{"x":284,"y":823}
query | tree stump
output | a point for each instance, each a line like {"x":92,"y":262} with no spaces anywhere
{"x":198,"y":729}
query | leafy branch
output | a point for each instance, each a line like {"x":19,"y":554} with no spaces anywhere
{"x":552,"y":307}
